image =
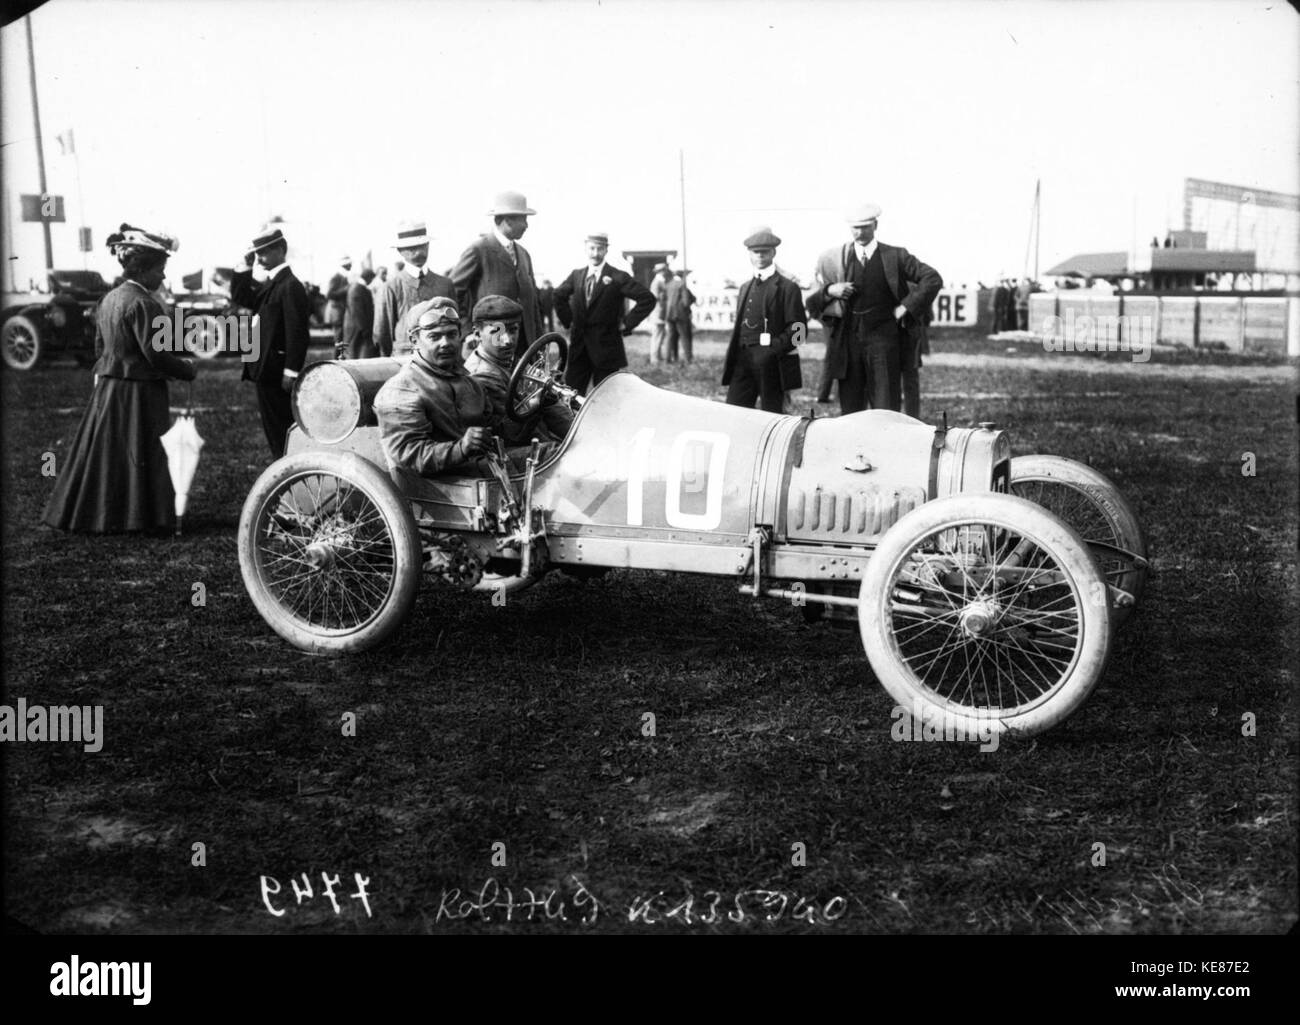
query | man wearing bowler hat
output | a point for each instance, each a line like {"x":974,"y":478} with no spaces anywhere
{"x":283,"y":318}
{"x":496,"y":264}
{"x":589,"y":303}
{"x":414,"y":283}
{"x":878,"y":295}
{"x":762,"y":361}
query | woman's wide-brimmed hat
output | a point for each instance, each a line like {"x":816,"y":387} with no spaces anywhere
{"x":131,"y":237}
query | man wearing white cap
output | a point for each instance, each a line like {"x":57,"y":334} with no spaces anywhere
{"x":659,"y":319}
{"x":496,"y":264}
{"x":878,"y":296}
{"x":414,"y":283}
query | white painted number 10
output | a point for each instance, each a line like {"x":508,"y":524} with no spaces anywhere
{"x":639,"y":466}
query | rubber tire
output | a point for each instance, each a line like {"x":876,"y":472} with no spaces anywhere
{"x":1107,"y":501}
{"x":395,"y":510}
{"x":1038,"y":525}
{"x":20,"y":322}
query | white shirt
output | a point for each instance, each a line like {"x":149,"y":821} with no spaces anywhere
{"x":277,"y":269}
{"x":866,"y":252}
{"x":766,"y":272}
{"x":507,"y":243}
{"x":414,"y":271}
{"x":597,"y":271}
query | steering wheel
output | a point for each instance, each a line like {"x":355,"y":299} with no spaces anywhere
{"x":535,"y":374}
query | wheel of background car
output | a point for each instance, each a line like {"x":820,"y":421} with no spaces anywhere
{"x":329,"y":552}
{"x":985,"y":612}
{"x":20,"y":342}
{"x":1094,"y":507}
{"x":210,"y":341}
{"x":534,"y":371}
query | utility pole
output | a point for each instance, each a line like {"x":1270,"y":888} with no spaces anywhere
{"x":681,"y":167}
{"x":40,"y":148}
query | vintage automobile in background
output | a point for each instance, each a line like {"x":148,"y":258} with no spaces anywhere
{"x":985,"y":588}
{"x":61,"y":320}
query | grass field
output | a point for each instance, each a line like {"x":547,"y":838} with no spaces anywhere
{"x":522,"y":725}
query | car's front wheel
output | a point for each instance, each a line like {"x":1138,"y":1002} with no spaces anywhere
{"x":985,"y":612}
{"x":20,"y":342}
{"x":329,"y":551}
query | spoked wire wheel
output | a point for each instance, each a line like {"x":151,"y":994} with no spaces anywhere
{"x":1094,"y":507}
{"x":985,"y":611}
{"x":329,"y":551}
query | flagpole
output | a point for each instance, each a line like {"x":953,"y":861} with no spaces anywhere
{"x":40,"y":148}
{"x":681,"y":167}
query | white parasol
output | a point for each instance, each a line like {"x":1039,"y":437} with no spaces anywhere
{"x":182,"y":444}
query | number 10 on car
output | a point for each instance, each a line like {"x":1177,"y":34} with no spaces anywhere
{"x":677,"y":475}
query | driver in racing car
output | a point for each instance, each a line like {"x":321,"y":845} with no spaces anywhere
{"x":491,"y":346}
{"x":434,"y":417}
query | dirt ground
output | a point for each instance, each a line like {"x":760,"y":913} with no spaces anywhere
{"x":503,"y":748}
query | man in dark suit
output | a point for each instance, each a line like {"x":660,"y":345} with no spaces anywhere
{"x":359,"y":319}
{"x":677,"y":302}
{"x":589,"y":302}
{"x":283,"y":316}
{"x":497,"y":264}
{"x":413,"y":283}
{"x":762,"y":359}
{"x":879,"y":293}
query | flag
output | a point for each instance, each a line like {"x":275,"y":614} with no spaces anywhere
{"x":66,"y":144}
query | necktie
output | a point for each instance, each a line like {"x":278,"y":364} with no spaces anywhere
{"x":514,"y":259}
{"x":591,"y":285}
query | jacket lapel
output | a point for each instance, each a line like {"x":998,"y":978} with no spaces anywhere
{"x":889,"y":258}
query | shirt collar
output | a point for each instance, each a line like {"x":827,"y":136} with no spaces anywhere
{"x":413,"y":270}
{"x":597,"y":271}
{"x":506,"y":243}
{"x":766,"y":272}
{"x":276,"y":271}
{"x":866,"y":252}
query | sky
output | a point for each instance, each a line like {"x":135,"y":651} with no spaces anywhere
{"x":205,"y":117}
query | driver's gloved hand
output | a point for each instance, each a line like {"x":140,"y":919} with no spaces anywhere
{"x":474,"y":442}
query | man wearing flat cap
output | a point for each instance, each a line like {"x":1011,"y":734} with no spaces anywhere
{"x":283,"y":318}
{"x":413,"y":283}
{"x":762,"y":361}
{"x":590,"y":304}
{"x":496,"y":264}
{"x":493,"y":343}
{"x":877,"y":295}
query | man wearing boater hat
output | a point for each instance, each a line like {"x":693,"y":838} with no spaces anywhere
{"x":762,"y":360}
{"x":879,"y":295}
{"x":496,"y":264}
{"x":283,"y":317}
{"x":591,"y":300}
{"x":414,"y":283}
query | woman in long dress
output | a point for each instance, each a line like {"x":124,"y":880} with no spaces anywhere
{"x":114,"y":477}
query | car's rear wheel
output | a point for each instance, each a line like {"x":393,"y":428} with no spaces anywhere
{"x":20,"y":342}
{"x":985,"y":612}
{"x":1090,"y":503}
{"x":329,"y":551}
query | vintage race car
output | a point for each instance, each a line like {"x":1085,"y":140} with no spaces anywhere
{"x":985,"y":588}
